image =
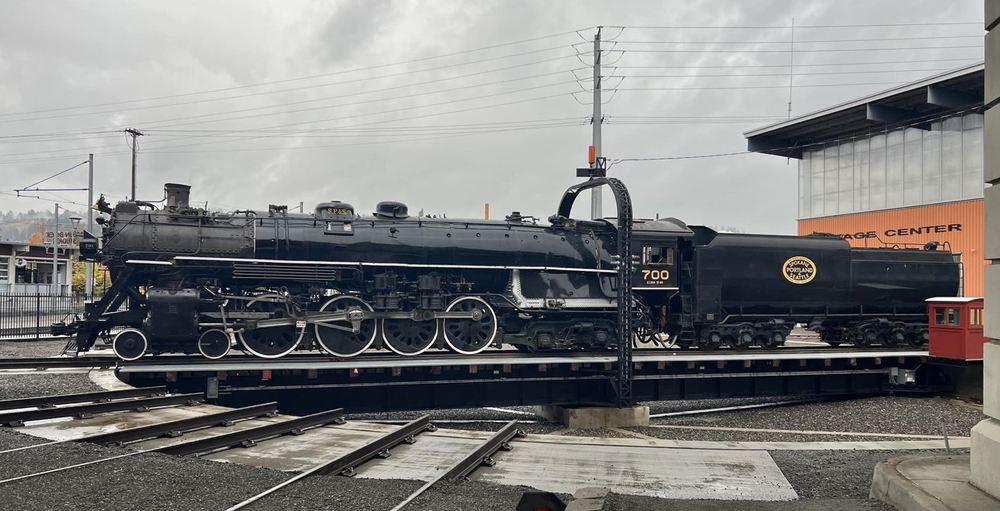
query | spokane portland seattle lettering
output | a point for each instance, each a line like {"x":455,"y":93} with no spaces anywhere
{"x":904,"y":231}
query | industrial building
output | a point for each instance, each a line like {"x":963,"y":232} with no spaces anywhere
{"x":898,"y":168}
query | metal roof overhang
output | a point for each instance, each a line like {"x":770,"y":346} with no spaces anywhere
{"x":906,"y":105}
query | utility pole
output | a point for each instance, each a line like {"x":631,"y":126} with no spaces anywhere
{"x":55,"y":254}
{"x":135,"y":133}
{"x":791,"y":70}
{"x":89,"y":266}
{"x":595,"y":193}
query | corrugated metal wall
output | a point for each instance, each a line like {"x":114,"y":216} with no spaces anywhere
{"x":958,"y":223}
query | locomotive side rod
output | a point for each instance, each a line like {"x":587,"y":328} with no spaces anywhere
{"x":324,"y":318}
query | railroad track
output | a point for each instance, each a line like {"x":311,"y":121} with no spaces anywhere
{"x":20,"y":411}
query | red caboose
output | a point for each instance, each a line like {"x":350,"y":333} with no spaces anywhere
{"x":956,"y":327}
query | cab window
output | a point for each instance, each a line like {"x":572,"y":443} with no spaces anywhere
{"x":658,"y":255}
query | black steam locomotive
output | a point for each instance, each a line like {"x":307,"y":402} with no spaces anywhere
{"x":189,"y":280}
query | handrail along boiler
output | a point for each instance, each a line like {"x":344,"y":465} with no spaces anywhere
{"x":189,"y":280}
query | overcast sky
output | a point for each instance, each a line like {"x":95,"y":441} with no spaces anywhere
{"x":444,"y":105}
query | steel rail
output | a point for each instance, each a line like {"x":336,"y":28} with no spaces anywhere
{"x":699,"y":411}
{"x":86,"y":397}
{"x":15,"y":419}
{"x":169,"y":429}
{"x":43,"y":363}
{"x":481,"y":455}
{"x":345,"y":464}
{"x":179,"y":427}
{"x":249,"y":437}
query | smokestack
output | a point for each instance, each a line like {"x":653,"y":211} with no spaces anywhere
{"x":177,"y":195}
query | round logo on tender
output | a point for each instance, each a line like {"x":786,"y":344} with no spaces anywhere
{"x":799,"y":270}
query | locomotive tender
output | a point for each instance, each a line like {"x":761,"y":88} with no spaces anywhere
{"x":189,"y":280}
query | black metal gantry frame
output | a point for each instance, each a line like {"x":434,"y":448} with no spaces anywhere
{"x":622,"y":381}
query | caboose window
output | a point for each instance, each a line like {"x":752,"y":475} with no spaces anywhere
{"x":953,"y":317}
{"x":976,"y":318}
{"x":938,"y":316}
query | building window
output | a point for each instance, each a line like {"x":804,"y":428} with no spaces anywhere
{"x":4,"y":274}
{"x":901,"y":167}
{"x":953,"y":316}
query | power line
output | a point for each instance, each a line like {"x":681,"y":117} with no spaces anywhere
{"x":779,"y":27}
{"x":794,"y":74}
{"x":215,"y":100}
{"x":799,"y":65}
{"x":323,"y":75}
{"x":379,"y":142}
{"x":827,"y":50}
{"x":757,"y":86}
{"x":668,"y":158}
{"x":250,"y":131}
{"x":361,"y":93}
{"x":877,"y":39}
{"x":57,"y":174}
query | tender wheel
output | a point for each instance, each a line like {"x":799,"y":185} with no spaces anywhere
{"x":709,"y":341}
{"x":470,"y":336}
{"x":919,"y":340}
{"x":272,"y":342}
{"x":130,"y":344}
{"x":866,"y":339}
{"x":773,"y":341}
{"x":214,"y":344}
{"x":741,"y":341}
{"x":338,"y":338}
{"x":895,"y":338}
{"x":408,"y":337}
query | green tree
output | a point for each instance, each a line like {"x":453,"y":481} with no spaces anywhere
{"x":102,"y":279}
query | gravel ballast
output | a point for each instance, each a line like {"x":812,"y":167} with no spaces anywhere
{"x":835,"y":474}
{"x":32,"y":349}
{"x":887,"y":414}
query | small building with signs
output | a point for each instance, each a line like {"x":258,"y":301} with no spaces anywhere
{"x":27,"y":268}
{"x":898,"y":168}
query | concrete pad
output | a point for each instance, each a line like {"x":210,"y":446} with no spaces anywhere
{"x":559,"y":467}
{"x":586,"y":505}
{"x":592,"y":492}
{"x":667,"y":473}
{"x":931,"y":483}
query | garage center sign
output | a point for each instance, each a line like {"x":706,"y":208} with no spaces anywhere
{"x":898,"y":232}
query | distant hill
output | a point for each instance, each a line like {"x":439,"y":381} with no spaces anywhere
{"x":19,"y":227}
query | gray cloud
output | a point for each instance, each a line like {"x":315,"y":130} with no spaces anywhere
{"x":55,"y":55}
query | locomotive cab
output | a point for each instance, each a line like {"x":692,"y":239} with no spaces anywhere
{"x":655,"y":253}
